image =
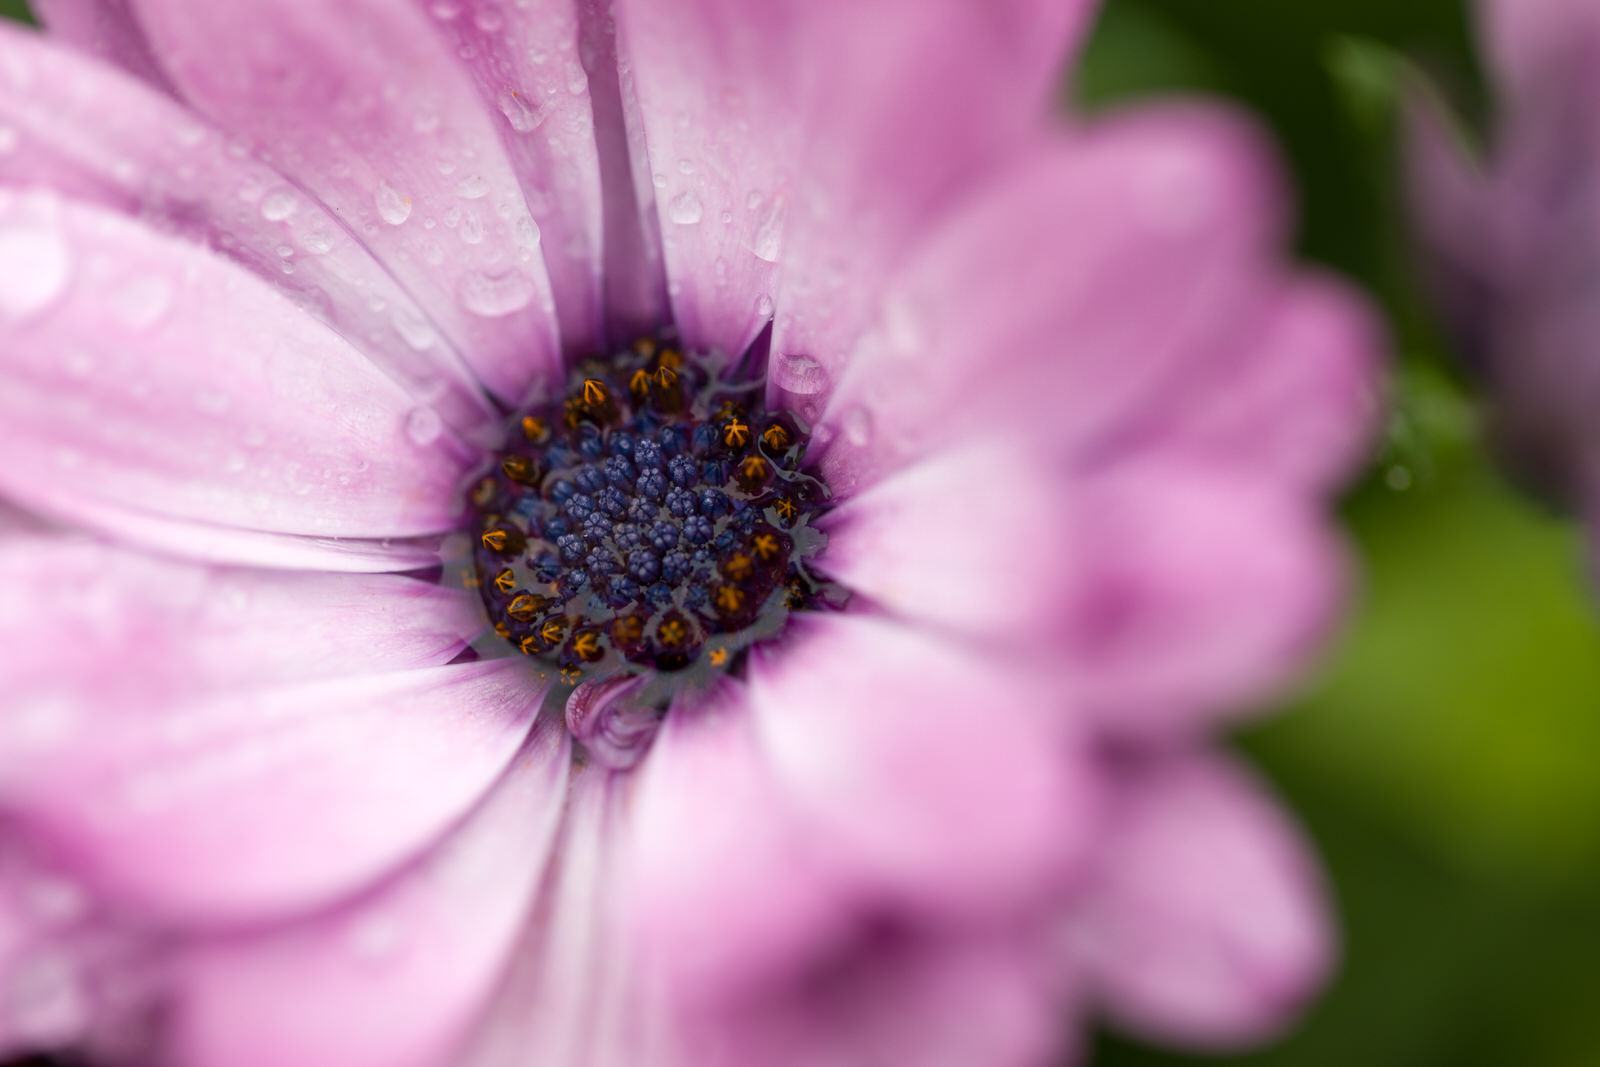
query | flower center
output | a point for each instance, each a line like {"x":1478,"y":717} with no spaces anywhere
{"x":652,"y":516}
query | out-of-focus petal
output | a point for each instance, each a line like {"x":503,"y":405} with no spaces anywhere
{"x":1206,"y":923}
{"x":398,"y":977}
{"x":105,"y":29}
{"x":1293,"y":393}
{"x":1198,"y":588}
{"x":247,"y":803}
{"x":527,"y":65}
{"x":189,"y":629}
{"x":1522,"y":38}
{"x":143,"y":378}
{"x":943,"y":999}
{"x":1068,"y":295}
{"x":943,"y":777}
{"x":968,"y":540}
{"x":362,"y":104}
{"x":724,"y":888}
{"x":796,"y":147}
{"x":91,"y":133}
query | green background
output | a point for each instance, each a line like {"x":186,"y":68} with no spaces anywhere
{"x":1443,"y":757}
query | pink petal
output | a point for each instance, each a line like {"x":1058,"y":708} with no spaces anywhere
{"x":725,"y":888}
{"x":1294,"y":395}
{"x":941,"y":778}
{"x":1090,"y":276}
{"x":244,"y":803}
{"x":398,"y":977}
{"x":788,"y":132}
{"x":192,"y":629}
{"x":362,"y":104}
{"x":1524,"y":38}
{"x":934,"y":1000}
{"x":969,"y":539}
{"x":1198,"y":589}
{"x":570,"y":993}
{"x":147,"y":386}
{"x":1206,"y":924}
{"x":524,"y":60}
{"x":105,"y":29}
{"x":94,"y":134}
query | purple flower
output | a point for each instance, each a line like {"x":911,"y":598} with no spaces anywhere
{"x":1511,"y":240}
{"x":333,"y":733}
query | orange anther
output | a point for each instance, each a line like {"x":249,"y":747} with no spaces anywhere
{"x":594,"y":391}
{"x":505,"y":581}
{"x":735,"y":434}
{"x":776,"y":437}
{"x":765,"y":546}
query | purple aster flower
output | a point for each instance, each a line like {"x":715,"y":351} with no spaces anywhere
{"x":1511,"y":239}
{"x":360,"y":710}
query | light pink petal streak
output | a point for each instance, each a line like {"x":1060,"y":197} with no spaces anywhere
{"x":1198,"y":589}
{"x":797,"y":146}
{"x":944,"y":778}
{"x":94,"y":134}
{"x":366,"y":107}
{"x":1064,"y":299}
{"x":398,"y":977}
{"x":182,"y":629}
{"x":247,"y":803}
{"x":146,"y":385}
{"x":1206,"y":924}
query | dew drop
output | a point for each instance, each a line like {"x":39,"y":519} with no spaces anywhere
{"x":278,"y":205}
{"x":523,"y":116}
{"x":471,"y":228}
{"x":392,"y":207}
{"x":799,"y":374}
{"x":489,"y":19}
{"x":767,"y":241}
{"x":685,"y":209}
{"x":317,"y":242}
{"x":858,"y":426}
{"x":577,"y":80}
{"x":765,"y":306}
{"x":494,"y":295}
{"x":423,"y":426}
{"x":414,"y":329}
{"x":473,"y":188}
{"x":35,"y":266}
{"x":445,"y":10}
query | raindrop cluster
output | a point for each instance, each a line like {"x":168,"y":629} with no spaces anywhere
{"x":651,"y":516}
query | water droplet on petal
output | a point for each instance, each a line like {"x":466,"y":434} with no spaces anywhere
{"x":317,"y":242}
{"x":765,"y":306}
{"x":278,"y":205}
{"x":423,"y":426}
{"x":471,"y":228}
{"x":858,"y":426}
{"x":523,"y":115}
{"x":392,"y":207}
{"x":473,"y":187}
{"x":35,"y":265}
{"x":685,"y":209}
{"x":799,"y":374}
{"x":577,"y":80}
{"x":415,"y":330}
{"x":494,"y":295}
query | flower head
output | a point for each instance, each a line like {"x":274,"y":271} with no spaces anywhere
{"x":702,"y":532}
{"x":1510,"y":241}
